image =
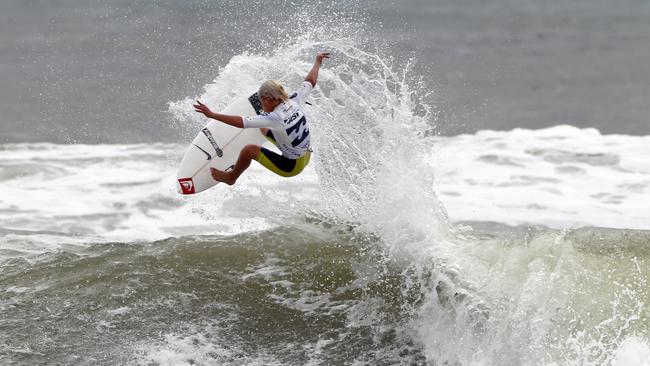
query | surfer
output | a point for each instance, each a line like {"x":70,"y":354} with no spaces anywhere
{"x":283,"y":123}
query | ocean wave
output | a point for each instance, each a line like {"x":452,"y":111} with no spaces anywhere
{"x":359,"y":260}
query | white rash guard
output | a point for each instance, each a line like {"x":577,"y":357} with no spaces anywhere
{"x":288,"y":123}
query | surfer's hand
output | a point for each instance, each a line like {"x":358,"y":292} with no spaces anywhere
{"x":313,"y":73}
{"x":322,"y":55}
{"x":202,"y":108}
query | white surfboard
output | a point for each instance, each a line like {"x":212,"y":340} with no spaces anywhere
{"x":217,"y":146}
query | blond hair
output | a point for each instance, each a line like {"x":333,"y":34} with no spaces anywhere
{"x":273,"y":90}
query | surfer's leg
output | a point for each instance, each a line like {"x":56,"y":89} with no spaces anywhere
{"x":248,"y":153}
{"x":282,"y":165}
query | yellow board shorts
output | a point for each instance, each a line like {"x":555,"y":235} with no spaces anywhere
{"x":281,"y":165}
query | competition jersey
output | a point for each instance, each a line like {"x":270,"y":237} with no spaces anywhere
{"x":288,"y":123}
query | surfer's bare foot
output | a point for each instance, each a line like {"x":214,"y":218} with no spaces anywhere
{"x":223,"y":177}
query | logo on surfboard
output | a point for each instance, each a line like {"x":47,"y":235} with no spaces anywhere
{"x":217,"y":149}
{"x":187,"y":185}
{"x":205,"y":152}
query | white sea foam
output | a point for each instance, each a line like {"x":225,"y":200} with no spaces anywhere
{"x":560,"y":177}
{"x":633,"y":351}
{"x":206,"y":344}
{"x":56,"y":195}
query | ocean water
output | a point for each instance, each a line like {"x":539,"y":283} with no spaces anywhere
{"x":95,"y":71}
{"x":398,"y":245}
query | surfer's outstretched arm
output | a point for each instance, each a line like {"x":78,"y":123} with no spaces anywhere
{"x":313,"y":73}
{"x":235,"y":121}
